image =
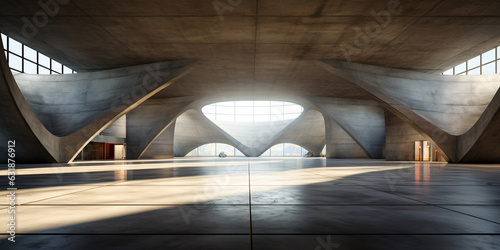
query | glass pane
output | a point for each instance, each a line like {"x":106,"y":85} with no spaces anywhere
{"x":210,"y":116}
{"x":226,"y":104}
{"x":291,"y":116}
{"x":262,"y":103}
{"x":498,"y":52}
{"x":488,"y":56}
{"x":263,"y":110}
{"x":474,"y":62}
{"x":30,"y":53}
{"x":43,"y":60}
{"x":267,"y":153}
{"x":227,"y":118}
{"x":4,"y":41}
{"x":194,"y":152}
{"x":292,"y":150}
{"x":207,"y":150}
{"x":244,"y":118}
{"x":262,"y":118}
{"x":67,"y":70}
{"x":488,"y":68}
{"x":277,"y":150}
{"x":324,"y":150}
{"x":225,"y":110}
{"x":56,"y":66}
{"x":227,"y":149}
{"x":15,"y":62}
{"x":277,"y":110}
{"x":244,"y":110}
{"x":276,"y":103}
{"x":448,"y":72}
{"x":238,"y":153}
{"x":244,"y":103}
{"x":460,"y":68}
{"x":474,"y":72}
{"x":29,"y":67}
{"x":42,"y":70}
{"x":209,"y":109}
{"x":15,"y":47}
{"x":293,"y":109}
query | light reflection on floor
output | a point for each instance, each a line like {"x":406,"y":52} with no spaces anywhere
{"x":288,"y":196}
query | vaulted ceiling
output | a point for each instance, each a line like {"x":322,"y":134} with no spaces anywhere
{"x":260,"y":47}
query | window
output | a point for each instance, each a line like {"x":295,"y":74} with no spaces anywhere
{"x":484,"y":64}
{"x":285,"y":150}
{"x":23,"y":59}
{"x":214,"y":149}
{"x":252,"y":111}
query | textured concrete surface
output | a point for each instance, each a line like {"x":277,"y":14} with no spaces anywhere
{"x":363,"y":120}
{"x":163,"y":145}
{"x":149,"y":120}
{"x":291,"y":204}
{"x":193,"y":129}
{"x":339,"y":144}
{"x":122,"y":90}
{"x":454,"y":112}
{"x":261,"y":46}
{"x":308,"y":132}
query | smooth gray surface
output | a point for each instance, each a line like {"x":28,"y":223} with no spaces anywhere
{"x":363,"y":120}
{"x":296,"y":203}
{"x":163,"y":145}
{"x":308,"y":132}
{"x":339,"y":144}
{"x":149,"y":120}
{"x":266,"y":46}
{"x":37,"y":143}
{"x":456,"y":113}
{"x":193,"y":129}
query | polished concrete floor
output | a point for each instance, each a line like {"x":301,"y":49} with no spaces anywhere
{"x":255,"y":203}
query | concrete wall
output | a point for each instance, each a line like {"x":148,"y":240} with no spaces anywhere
{"x":163,"y":146}
{"x":453,"y":112}
{"x":339,"y":144}
{"x":362,"y":120}
{"x":53,"y":130}
{"x":193,"y":129}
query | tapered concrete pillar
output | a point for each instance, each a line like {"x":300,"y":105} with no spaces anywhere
{"x":459,"y":114}
{"x":52,"y":117}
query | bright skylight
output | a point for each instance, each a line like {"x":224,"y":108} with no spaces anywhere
{"x":252,"y":111}
{"x":484,"y":64}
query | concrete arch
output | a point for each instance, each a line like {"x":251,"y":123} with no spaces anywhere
{"x":309,"y":132}
{"x":355,"y":141}
{"x":193,"y":129}
{"x":38,"y":141}
{"x":457,"y":113}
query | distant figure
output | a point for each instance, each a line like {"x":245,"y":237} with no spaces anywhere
{"x":222,"y":154}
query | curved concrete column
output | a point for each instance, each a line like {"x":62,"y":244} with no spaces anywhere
{"x":40,"y":140}
{"x":339,"y":144}
{"x":193,"y":129}
{"x":307,"y":132}
{"x":453,"y":112}
{"x":254,"y":138}
{"x":362,"y":120}
{"x":146,"y":122}
{"x":163,"y":145}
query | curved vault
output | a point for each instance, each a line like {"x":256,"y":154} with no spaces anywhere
{"x":51,"y":130}
{"x":460,"y":114}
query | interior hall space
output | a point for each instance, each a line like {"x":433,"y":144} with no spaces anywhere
{"x":249,"y":124}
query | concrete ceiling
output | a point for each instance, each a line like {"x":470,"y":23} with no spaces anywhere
{"x":261,"y":46}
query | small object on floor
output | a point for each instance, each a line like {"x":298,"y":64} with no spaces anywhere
{"x":222,"y":155}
